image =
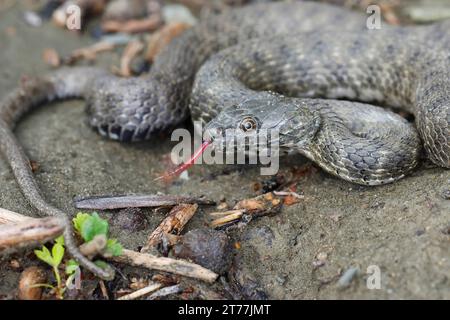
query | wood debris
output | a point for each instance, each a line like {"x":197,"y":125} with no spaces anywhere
{"x":161,"y":38}
{"x":136,"y":201}
{"x":142,"y":292}
{"x":174,"y":223}
{"x":89,"y":53}
{"x":133,"y":26}
{"x":133,"y":48}
{"x":18,"y":231}
{"x":176,"y":266}
{"x":267,"y":203}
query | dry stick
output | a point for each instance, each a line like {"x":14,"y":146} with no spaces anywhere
{"x":173,"y":223}
{"x":7,"y":216}
{"x":29,"y":232}
{"x":142,"y":292}
{"x":161,"y":38}
{"x":132,"y":26}
{"x":175,"y":266}
{"x":165,"y":292}
{"x":90,"y":52}
{"x":227,"y":217}
{"x":135,"y":201}
{"x":133,"y":48}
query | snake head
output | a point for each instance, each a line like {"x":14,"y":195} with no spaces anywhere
{"x":288,"y":122}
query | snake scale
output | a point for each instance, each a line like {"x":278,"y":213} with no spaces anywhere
{"x":285,"y":66}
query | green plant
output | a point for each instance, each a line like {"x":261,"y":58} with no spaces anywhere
{"x":53,"y":259}
{"x":88,"y":226}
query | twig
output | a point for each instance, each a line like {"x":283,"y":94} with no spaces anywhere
{"x":103,"y":289}
{"x":173,"y":223}
{"x":7,"y":216}
{"x":226,"y":217}
{"x":29,"y":233}
{"x":135,"y":201}
{"x":165,"y":292}
{"x":133,"y":26}
{"x":161,"y":38}
{"x":90,"y":52}
{"x":131,"y":51}
{"x":142,"y":292}
{"x":288,"y":193}
{"x":175,"y":266}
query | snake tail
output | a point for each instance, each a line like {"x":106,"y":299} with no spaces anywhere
{"x":33,"y":92}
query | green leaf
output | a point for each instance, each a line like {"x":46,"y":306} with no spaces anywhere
{"x":71,"y":266}
{"x":93,"y":226}
{"x":79,"y":220}
{"x":102,"y":264}
{"x":113,"y":248}
{"x":60,"y":240}
{"x":57,"y":253}
{"x":45,"y":256}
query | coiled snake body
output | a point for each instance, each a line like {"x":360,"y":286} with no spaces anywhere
{"x":283,"y":48}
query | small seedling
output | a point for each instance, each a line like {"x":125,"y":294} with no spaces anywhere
{"x":53,"y":259}
{"x":88,"y":226}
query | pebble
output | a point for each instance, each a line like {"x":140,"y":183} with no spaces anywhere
{"x":420,"y":232}
{"x":32,"y":19}
{"x":446,"y":194}
{"x":30,"y":277}
{"x":209,"y":248}
{"x":348,"y":276}
{"x":178,"y":13}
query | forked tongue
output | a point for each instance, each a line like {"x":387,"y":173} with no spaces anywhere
{"x":186,"y":165}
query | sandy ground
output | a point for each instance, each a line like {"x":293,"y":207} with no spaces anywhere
{"x":402,"y":228}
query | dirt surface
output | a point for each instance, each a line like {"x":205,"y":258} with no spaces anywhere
{"x":300,"y":253}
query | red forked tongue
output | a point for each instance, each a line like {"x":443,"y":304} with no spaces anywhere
{"x":184,"y":166}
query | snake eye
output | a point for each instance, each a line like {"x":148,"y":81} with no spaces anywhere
{"x":248,"y":124}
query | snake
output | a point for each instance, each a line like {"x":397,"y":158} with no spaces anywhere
{"x":310,"y":71}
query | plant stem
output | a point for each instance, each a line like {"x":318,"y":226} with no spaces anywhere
{"x":59,"y":289}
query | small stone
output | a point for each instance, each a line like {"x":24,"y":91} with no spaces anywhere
{"x":29,"y":278}
{"x":15,"y":264}
{"x":321,"y":259}
{"x":178,"y":13}
{"x":446,"y":194}
{"x":132,"y":219}
{"x":420,"y":232}
{"x":32,"y":19}
{"x":209,"y":248}
{"x":281,"y":279}
{"x":348,"y":276}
